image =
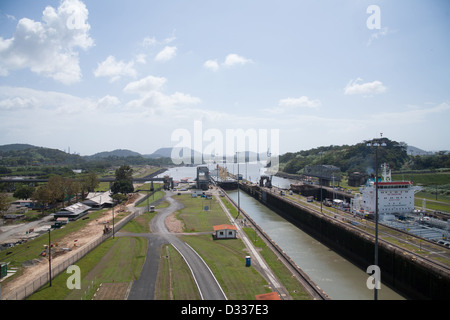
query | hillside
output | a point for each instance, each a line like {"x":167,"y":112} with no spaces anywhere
{"x":24,"y":155}
{"x":115,"y":153}
{"x":353,"y":158}
{"x":27,"y":155}
{"x":15,"y":147}
{"x":160,"y":153}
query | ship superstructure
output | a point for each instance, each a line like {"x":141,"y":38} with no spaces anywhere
{"x":394,"y":197}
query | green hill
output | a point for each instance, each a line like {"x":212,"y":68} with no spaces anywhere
{"x":358,"y":157}
{"x":27,"y":155}
{"x":119,"y":153}
{"x":16,"y":147}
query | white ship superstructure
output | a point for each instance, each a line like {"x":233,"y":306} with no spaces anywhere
{"x":394,"y":197}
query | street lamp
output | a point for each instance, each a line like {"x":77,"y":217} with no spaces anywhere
{"x":376,"y":143}
{"x":239,"y":199}
{"x":49,"y":258}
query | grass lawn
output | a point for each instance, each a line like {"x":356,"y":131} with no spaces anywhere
{"x":424,"y":179}
{"x":175,"y":280}
{"x":195,"y":218}
{"x":116,"y":260}
{"x":155,"y":197}
{"x":140,"y":224}
{"x":226,"y":259}
{"x":441,"y":204}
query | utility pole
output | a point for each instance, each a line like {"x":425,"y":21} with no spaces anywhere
{"x":239,"y":199}
{"x":376,"y":143}
{"x":49,"y":258}
{"x":113,"y":218}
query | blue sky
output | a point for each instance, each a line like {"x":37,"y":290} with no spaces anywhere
{"x":99,"y":75}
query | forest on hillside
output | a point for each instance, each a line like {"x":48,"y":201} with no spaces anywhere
{"x":361,"y":158}
{"x":28,"y":158}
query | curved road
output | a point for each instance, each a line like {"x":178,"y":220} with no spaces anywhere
{"x":144,"y":287}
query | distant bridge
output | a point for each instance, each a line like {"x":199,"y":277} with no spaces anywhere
{"x":32,"y":180}
{"x":168,"y":181}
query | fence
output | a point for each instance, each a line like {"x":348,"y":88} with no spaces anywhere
{"x":40,"y":281}
{"x":148,"y":195}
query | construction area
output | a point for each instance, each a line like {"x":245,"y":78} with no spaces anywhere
{"x":64,"y":249}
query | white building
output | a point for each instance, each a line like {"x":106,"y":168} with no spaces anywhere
{"x":225,"y":231}
{"x":98,"y":200}
{"x":73,"y":212}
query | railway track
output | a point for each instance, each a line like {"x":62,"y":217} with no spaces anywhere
{"x":347,"y":223}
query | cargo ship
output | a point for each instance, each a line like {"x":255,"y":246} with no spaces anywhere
{"x":395,"y":198}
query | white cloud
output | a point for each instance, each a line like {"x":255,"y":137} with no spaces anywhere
{"x":152,"y":41}
{"x":302,"y":102}
{"x":108,"y":101}
{"x":141,"y":58}
{"x":166,"y":54}
{"x":148,"y":42}
{"x":211,"y":65}
{"x":157,"y":102}
{"x":153,"y":99}
{"x":365,"y":89}
{"x":145,"y":85}
{"x":18,"y":98}
{"x":377,"y":35}
{"x":49,"y":47}
{"x":289,"y":104}
{"x":115,"y":69}
{"x":231,"y":60}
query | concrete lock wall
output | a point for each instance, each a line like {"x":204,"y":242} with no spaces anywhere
{"x":401,"y":270}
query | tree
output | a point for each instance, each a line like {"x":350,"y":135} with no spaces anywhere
{"x":24,"y":192}
{"x":124,"y":181}
{"x":71,"y":187}
{"x":43,"y":196}
{"x":56,"y":186}
{"x":4,"y":202}
{"x":90,"y":182}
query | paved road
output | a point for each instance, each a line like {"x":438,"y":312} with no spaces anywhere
{"x":144,"y":287}
{"x":17,"y":231}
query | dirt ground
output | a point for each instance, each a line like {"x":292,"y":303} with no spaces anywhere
{"x":173,"y":224}
{"x":74,"y":241}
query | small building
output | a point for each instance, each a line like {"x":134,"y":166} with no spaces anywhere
{"x":14,"y":216}
{"x":224,"y":231}
{"x":63,"y":220}
{"x":24,"y":203}
{"x":72,"y":212}
{"x":99,"y":200}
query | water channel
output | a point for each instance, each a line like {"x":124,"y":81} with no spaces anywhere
{"x":339,"y":278}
